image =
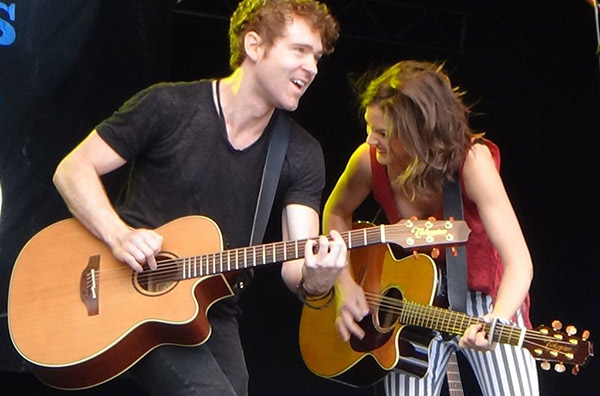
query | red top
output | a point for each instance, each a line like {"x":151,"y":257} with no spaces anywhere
{"x":484,"y":266}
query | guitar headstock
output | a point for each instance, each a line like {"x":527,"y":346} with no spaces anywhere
{"x":413,"y":233}
{"x":551,"y":345}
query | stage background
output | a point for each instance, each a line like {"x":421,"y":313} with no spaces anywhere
{"x":529,"y":68}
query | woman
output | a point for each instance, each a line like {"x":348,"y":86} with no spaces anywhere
{"x":418,"y":137}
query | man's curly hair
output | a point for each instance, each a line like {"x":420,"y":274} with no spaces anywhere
{"x":269,"y":17}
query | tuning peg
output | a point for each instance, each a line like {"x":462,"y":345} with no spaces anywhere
{"x":454,"y":251}
{"x":556,"y":325}
{"x":575,"y":370}
{"x":435,"y":253}
{"x":545,"y":365}
{"x":414,"y":218}
{"x":570,"y":330}
{"x":431,"y":218}
{"x":415,"y":254}
{"x":585,"y":335}
{"x":451,"y":218}
{"x":559,"y":368}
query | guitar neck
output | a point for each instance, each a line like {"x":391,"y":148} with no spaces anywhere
{"x":406,"y":233}
{"x":455,"y":387}
{"x":456,"y":323}
{"x":258,"y":255}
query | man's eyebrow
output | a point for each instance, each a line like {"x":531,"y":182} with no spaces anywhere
{"x":309,"y":46}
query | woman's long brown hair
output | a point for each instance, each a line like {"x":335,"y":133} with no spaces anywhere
{"x":428,"y":116}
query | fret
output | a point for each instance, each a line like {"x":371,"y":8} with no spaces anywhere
{"x":349,"y":234}
{"x":382,"y":234}
{"x":264,"y":250}
{"x":522,"y":334}
{"x":501,"y":333}
{"x":364,"y":237}
{"x":221,"y":261}
{"x":296,"y":249}
{"x":228,"y":261}
{"x":284,"y":251}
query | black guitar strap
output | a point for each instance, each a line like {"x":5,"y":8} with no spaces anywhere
{"x":278,"y":142}
{"x":270,"y":178}
{"x":456,"y":265}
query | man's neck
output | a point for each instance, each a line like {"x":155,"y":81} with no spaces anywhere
{"x":246,"y":113}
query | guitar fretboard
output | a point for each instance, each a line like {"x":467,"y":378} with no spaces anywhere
{"x":455,"y":387}
{"x":253,"y":256}
{"x":452,"y":322}
{"x":407,"y":233}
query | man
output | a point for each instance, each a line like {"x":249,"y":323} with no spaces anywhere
{"x":200,"y":148}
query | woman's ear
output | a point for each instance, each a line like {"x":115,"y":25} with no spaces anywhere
{"x":253,"y":45}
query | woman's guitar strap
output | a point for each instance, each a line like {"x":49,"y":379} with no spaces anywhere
{"x":456,"y":258}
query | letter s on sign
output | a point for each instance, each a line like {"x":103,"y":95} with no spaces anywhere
{"x":8,"y":34}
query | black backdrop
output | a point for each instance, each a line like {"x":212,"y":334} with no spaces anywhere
{"x":531,"y":70}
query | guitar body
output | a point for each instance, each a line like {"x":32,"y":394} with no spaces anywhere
{"x":364,"y":362}
{"x":74,"y":341}
{"x":402,"y":323}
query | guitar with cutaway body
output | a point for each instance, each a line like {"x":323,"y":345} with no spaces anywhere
{"x":81,"y":317}
{"x":398,"y":329}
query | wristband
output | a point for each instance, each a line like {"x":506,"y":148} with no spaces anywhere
{"x":320,"y":301}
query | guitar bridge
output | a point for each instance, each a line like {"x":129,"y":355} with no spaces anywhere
{"x":89,"y":286}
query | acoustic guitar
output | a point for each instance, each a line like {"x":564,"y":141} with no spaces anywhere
{"x":399,"y":328}
{"x":81,"y":317}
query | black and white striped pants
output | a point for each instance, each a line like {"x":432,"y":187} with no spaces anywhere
{"x":505,"y":371}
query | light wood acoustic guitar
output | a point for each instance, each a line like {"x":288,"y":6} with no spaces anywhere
{"x":80,"y":317}
{"x":399,"y":327}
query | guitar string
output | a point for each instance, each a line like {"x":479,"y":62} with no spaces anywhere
{"x":210,"y":262}
{"x":534,"y":339}
{"x":395,"y":306}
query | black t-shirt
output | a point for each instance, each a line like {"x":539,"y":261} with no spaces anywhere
{"x":183,"y":163}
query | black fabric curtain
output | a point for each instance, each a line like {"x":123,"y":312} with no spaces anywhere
{"x":64,"y":66}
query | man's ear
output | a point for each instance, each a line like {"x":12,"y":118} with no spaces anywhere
{"x":253,"y":45}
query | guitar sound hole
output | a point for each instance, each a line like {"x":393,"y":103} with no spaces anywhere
{"x":159,"y":281}
{"x":388,"y":311}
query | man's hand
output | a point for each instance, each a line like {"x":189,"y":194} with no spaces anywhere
{"x":321,"y":269}
{"x":138,"y":246}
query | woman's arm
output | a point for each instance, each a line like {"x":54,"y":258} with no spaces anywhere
{"x":352,"y":188}
{"x":484,"y":187}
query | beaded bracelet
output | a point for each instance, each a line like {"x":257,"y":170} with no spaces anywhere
{"x":310,"y":300}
